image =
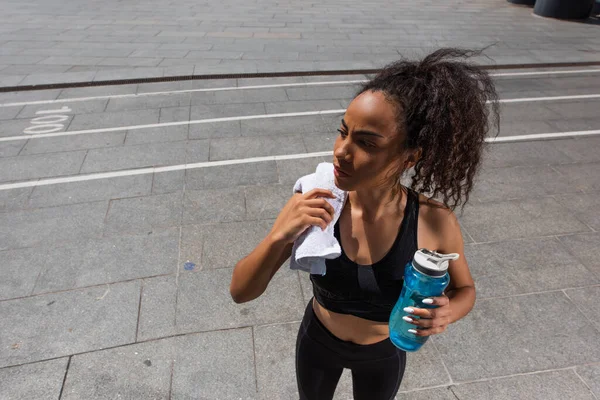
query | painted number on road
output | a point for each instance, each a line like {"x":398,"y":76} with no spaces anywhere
{"x":49,"y":121}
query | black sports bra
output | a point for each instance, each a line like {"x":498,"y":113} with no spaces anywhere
{"x":370,"y":291}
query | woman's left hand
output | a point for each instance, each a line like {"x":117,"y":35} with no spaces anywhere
{"x":430,"y":321}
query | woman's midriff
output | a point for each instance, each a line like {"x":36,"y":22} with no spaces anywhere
{"x":350,"y":328}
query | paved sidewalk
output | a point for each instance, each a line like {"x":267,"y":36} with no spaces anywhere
{"x":116,"y":286}
{"x":60,"y":41}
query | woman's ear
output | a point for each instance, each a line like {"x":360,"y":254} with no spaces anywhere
{"x":412,"y":158}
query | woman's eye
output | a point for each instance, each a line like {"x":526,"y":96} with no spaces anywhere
{"x":342,"y":133}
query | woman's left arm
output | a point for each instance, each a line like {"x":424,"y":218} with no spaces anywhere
{"x":459,"y":297}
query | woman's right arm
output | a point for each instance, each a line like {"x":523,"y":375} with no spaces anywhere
{"x":252,"y":274}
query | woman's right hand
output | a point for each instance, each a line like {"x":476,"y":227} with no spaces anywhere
{"x":302,"y":211}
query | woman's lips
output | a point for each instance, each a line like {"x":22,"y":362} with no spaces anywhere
{"x":339,"y":173}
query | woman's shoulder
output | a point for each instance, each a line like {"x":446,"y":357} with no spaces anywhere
{"x":439,"y":221}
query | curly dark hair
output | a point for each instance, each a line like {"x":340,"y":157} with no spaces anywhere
{"x":443,"y":108}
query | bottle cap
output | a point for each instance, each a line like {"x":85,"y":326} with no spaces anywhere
{"x":432,"y":263}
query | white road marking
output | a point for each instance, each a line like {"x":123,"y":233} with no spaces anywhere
{"x":258,"y":116}
{"x":208,"y":164}
{"x":281,"y":85}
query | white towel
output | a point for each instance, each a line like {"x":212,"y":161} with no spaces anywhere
{"x":314,"y":246}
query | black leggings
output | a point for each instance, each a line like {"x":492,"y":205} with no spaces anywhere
{"x":377,"y":369}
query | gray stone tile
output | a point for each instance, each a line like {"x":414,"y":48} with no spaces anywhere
{"x":87,"y":191}
{"x":139,"y":371}
{"x":92,"y":91}
{"x":14,"y":127}
{"x":36,"y":381}
{"x":109,"y":260}
{"x":428,"y":394}
{"x":281,"y":302}
{"x":302,"y":105}
{"x":213,"y":205}
{"x":73,"y":142}
{"x":157,"y":135}
{"x":591,"y":376}
{"x":318,"y":142}
{"x":148,"y":102}
{"x":83,"y":107}
{"x":40,"y":166}
{"x":424,"y":368}
{"x":231,"y":176}
{"x":524,"y":154}
{"x":215,"y":365}
{"x":244,"y":96}
{"x":16,"y":280}
{"x":583,"y":248}
{"x":34,"y":95}
{"x":222,"y":245}
{"x":519,"y":219}
{"x":291,"y":170}
{"x":275,"y":347}
{"x":206,"y":111}
{"x":14,"y":199}
{"x":586,"y":301}
{"x":74,"y":322}
{"x":10,"y":112}
{"x":51,"y":225}
{"x":246,"y":147}
{"x":524,"y":339}
{"x":582,"y":149}
{"x":285,"y":126}
{"x":581,"y":177}
{"x":510,"y":268}
{"x":174,"y":114}
{"x":11,"y":149}
{"x":158,"y":308}
{"x":266,"y":201}
{"x":342,"y":91}
{"x":215,"y":130}
{"x":497,"y":184}
{"x":168,"y":182}
{"x":143,"y":214}
{"x":131,"y":61}
{"x":114,"y":119}
{"x":584,"y":207}
{"x":145,"y":155}
{"x":554,"y":385}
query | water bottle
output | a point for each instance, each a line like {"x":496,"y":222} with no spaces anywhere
{"x":424,"y":277}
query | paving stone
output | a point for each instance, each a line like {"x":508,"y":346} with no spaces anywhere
{"x":284,"y":126}
{"x":524,"y":154}
{"x":33,"y":95}
{"x":10,"y":112}
{"x":109,"y":260}
{"x":322,"y":92}
{"x":13,"y":127}
{"x":140,"y":371}
{"x":14,"y":199}
{"x":168,"y":182}
{"x":148,"y":102}
{"x":585,"y":300}
{"x":428,"y":394}
{"x":157,"y":135}
{"x":40,"y":166}
{"x":35,"y":381}
{"x":213,"y":205}
{"x":74,"y":322}
{"x":281,"y":302}
{"x":510,"y":268}
{"x":92,"y":91}
{"x":231,"y":176}
{"x":73,"y":142}
{"x":582,"y":247}
{"x":174,"y":114}
{"x":239,"y":96}
{"x":291,"y":170}
{"x":16,"y":280}
{"x":114,"y":119}
{"x":554,"y":385}
{"x":320,"y":141}
{"x":581,"y":177}
{"x":424,"y":368}
{"x":143,"y":214}
{"x":245,"y":147}
{"x":519,"y":219}
{"x":158,"y":308}
{"x":11,"y":149}
{"x":206,"y":111}
{"x":51,"y":225}
{"x":302,"y":106}
{"x":591,"y":376}
{"x":525,"y":338}
{"x":145,"y":155}
{"x":222,"y":245}
{"x":215,"y":130}
{"x":266,"y":201}
{"x":584,"y":207}
{"x":215,"y":365}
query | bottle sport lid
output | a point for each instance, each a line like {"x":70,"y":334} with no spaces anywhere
{"x":432,"y":263}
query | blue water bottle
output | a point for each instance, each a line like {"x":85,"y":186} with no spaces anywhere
{"x":424,"y":277}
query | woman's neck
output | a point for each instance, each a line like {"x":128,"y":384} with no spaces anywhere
{"x":374,"y":204}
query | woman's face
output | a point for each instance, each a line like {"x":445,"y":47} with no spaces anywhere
{"x":367,"y":150}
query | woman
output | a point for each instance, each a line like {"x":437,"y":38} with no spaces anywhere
{"x":429,"y":116}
